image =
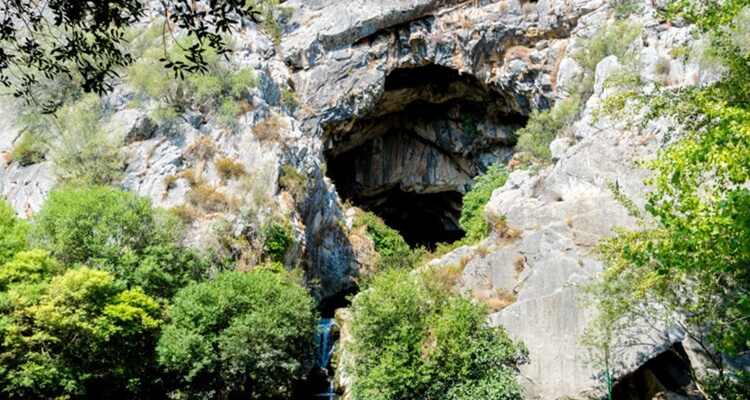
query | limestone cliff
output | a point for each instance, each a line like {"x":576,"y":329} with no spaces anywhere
{"x":401,"y":103}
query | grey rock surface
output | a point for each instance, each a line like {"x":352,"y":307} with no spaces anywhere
{"x":359,"y":70}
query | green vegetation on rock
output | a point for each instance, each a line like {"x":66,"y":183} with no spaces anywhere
{"x":472,"y":214}
{"x":412,"y":338}
{"x":393,"y":251}
{"x":691,"y":268}
{"x":544,"y":126}
{"x":221,"y":87}
{"x":247,"y":334}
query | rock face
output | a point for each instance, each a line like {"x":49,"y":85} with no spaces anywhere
{"x":401,"y":104}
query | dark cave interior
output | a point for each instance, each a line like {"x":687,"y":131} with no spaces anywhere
{"x":411,"y":159}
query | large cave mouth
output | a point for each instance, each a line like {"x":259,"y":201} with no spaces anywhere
{"x":414,"y":156}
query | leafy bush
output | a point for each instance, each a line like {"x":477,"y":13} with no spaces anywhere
{"x":413,"y":339}
{"x":163,"y":268}
{"x":13,"y":232}
{"x":97,"y":224}
{"x":393,"y":251}
{"x":82,"y":152}
{"x":80,"y":334}
{"x":28,"y":150}
{"x":612,"y":39}
{"x":28,"y":266}
{"x":221,"y":87}
{"x":472,"y":214}
{"x":277,"y":238}
{"x":119,"y":232}
{"x":247,"y":334}
{"x":544,"y":126}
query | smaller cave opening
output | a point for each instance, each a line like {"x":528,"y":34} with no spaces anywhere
{"x":665,"y":375}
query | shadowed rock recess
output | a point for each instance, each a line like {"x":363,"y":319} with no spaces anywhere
{"x":413,"y":157}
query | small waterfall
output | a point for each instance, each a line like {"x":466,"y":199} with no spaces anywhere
{"x":324,"y":340}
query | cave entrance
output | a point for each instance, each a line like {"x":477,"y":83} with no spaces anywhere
{"x":414,"y":156}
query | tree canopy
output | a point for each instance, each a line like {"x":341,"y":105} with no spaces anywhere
{"x":85,"y":40}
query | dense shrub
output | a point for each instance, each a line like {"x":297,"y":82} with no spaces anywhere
{"x":98,"y":224}
{"x":544,"y":126}
{"x":82,"y":151}
{"x":277,"y":238}
{"x":13,"y":232}
{"x":246,"y":334}
{"x":80,"y":334}
{"x":472,"y":214}
{"x":413,"y":339}
{"x":119,"y":232}
{"x":30,"y":266}
{"x":393,"y":251}
{"x":612,"y":39}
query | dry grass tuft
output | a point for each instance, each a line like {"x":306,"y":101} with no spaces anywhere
{"x":269,"y":130}
{"x":201,"y":149}
{"x":519,"y":264}
{"x":503,"y":298}
{"x":186,"y":213}
{"x":208,"y":198}
{"x":228,"y":168}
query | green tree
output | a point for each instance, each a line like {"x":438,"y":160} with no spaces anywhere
{"x":242,"y":333}
{"x":414,"y":339}
{"x":694,"y":264}
{"x":119,"y":232}
{"x":13,"y":232}
{"x":79,"y":334}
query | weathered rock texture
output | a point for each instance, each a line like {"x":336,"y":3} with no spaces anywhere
{"x":409,"y":100}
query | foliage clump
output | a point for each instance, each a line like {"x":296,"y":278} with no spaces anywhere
{"x":28,"y":150}
{"x":472,"y":213}
{"x":13,"y":233}
{"x":246,"y":334}
{"x":277,"y":239}
{"x":544,"y":126}
{"x":293,"y":181}
{"x":393,"y":251}
{"x":118,"y":232}
{"x":80,"y":333}
{"x":412,"y":338}
{"x":691,"y":268}
{"x":222,"y":86}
